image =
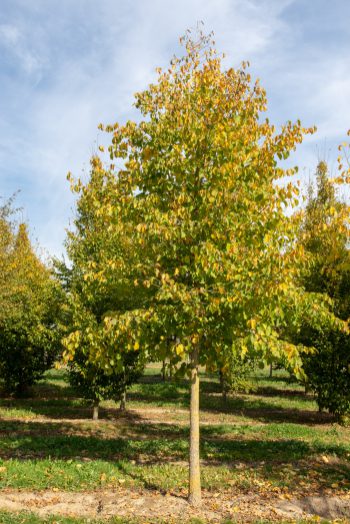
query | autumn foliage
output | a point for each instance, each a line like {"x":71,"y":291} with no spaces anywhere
{"x":29,"y":310}
{"x":182,"y":235}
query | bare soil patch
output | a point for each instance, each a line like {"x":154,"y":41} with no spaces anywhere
{"x":150,"y":506}
{"x":333,"y":508}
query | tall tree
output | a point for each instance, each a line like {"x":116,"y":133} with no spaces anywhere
{"x":29,"y":306}
{"x":90,"y":300}
{"x":191,"y":226}
{"x":325,"y":235}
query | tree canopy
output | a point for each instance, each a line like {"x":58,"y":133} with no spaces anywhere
{"x":325,"y":235}
{"x":29,"y":309}
{"x":187,"y":236}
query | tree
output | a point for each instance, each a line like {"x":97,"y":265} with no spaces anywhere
{"x":191,"y":226}
{"x":29,"y":305}
{"x":325,"y":236}
{"x":95,"y":384}
{"x":235,"y":374}
{"x":87,"y":305}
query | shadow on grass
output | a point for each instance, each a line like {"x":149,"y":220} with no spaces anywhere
{"x":152,"y":390}
{"x":58,"y":401}
{"x":151,"y":443}
{"x":57,"y":408}
{"x":271,"y":391}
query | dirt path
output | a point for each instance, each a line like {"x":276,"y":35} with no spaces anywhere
{"x":150,"y":506}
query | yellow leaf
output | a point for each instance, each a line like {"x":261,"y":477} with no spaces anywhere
{"x":180,"y":349}
{"x":252,"y":323}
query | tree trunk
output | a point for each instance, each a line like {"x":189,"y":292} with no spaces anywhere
{"x":122,"y":405}
{"x":95,"y":410}
{"x":163,"y":371}
{"x":223,"y":386}
{"x":21,"y":390}
{"x":271,"y":370}
{"x":195,"y":480}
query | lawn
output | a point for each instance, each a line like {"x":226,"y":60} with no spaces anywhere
{"x":258,"y":448}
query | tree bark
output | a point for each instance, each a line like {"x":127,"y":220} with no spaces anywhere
{"x":21,"y":390}
{"x":195,"y":480}
{"x":271,"y":370}
{"x":122,"y":405}
{"x":223,"y":386}
{"x":95,"y":410}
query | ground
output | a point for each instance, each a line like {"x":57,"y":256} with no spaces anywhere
{"x":266,"y":456}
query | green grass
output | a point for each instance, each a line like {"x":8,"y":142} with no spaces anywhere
{"x":271,"y":439}
{"x":32,"y":518}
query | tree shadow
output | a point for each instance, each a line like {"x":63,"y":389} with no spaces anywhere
{"x":59,"y":401}
{"x":270,"y":391}
{"x":150,"y":443}
{"x":59,"y":409}
{"x":250,"y":406}
{"x":162,"y":444}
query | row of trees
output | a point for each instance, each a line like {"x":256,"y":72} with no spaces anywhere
{"x":190,"y":246}
{"x":35,"y":315}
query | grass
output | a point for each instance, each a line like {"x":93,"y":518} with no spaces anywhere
{"x":273,"y":439}
{"x":32,"y":518}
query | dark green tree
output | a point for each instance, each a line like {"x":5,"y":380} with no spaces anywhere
{"x":95,"y":384}
{"x":325,"y":238}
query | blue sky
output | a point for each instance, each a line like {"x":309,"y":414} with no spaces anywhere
{"x":66,"y":65}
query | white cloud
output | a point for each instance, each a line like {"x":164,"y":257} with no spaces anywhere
{"x":18,"y":46}
{"x":9,"y":34}
{"x":84,"y":60}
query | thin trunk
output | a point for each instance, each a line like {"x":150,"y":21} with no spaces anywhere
{"x":22,"y":390}
{"x":122,"y":406}
{"x":271,"y":370}
{"x":223,"y":386}
{"x":95,"y":410}
{"x":163,"y":371}
{"x":195,"y":479}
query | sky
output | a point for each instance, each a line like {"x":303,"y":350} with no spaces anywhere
{"x":67,"y":65}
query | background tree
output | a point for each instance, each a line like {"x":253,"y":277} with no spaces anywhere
{"x":235,"y":374}
{"x":29,"y":308}
{"x":89,"y":302}
{"x":198,"y":239}
{"x":95,"y":384}
{"x":325,"y":236}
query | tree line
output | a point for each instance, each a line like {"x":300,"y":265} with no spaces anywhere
{"x":189,"y":247}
